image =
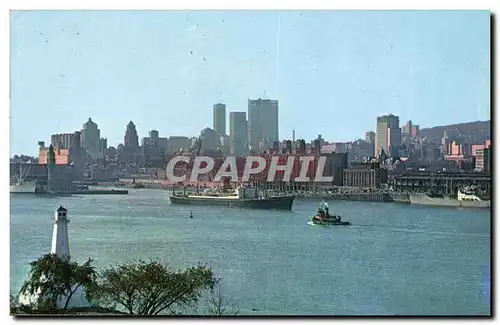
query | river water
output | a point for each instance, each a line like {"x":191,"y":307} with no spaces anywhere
{"x":395,"y":259}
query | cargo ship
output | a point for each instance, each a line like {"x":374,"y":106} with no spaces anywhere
{"x":465,"y":199}
{"x":234,"y":198}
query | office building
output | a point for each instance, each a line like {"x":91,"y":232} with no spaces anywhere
{"x":177,"y":144}
{"x":262,"y":123}
{"x":219,"y":123}
{"x":90,"y":138}
{"x":238,"y":133}
{"x":131,"y":140}
{"x":209,"y":140}
{"x":388,"y":135}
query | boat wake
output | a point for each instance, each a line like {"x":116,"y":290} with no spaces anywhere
{"x":310,"y":223}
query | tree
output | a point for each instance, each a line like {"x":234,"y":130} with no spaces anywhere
{"x":52,"y":278}
{"x":150,"y":288}
{"x":217,"y":305}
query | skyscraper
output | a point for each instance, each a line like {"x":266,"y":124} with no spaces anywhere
{"x":388,"y":135}
{"x":209,"y":139}
{"x":262,"y":122}
{"x":370,"y":136}
{"x":154,"y":136}
{"x":91,"y":137}
{"x":238,"y":136}
{"x":410,"y":130}
{"x":220,"y":119}
{"x":131,"y":140}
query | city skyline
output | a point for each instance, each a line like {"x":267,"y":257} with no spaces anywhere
{"x":420,"y":66}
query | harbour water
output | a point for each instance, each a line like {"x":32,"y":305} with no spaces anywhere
{"x":395,"y":259}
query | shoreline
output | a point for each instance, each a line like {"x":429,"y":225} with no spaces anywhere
{"x":375,"y":196}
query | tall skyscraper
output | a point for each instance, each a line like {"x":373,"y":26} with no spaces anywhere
{"x":220,"y":119}
{"x":370,"y":138}
{"x":103,"y":145}
{"x":388,"y":135}
{"x":262,"y":122}
{"x":131,"y":140}
{"x":91,"y":136}
{"x":238,"y":137}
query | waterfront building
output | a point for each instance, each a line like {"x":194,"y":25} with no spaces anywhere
{"x":262,"y":123}
{"x":219,"y":119}
{"x":365,"y":175}
{"x":445,"y":182}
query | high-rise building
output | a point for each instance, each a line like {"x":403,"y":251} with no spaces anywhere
{"x":209,"y":139}
{"x":220,"y":119}
{"x":154,"y":135}
{"x":370,"y":136}
{"x":103,"y":145}
{"x":91,"y":136}
{"x":66,"y":140}
{"x":131,"y":140}
{"x":163,"y":142}
{"x":394,"y":141}
{"x":178,"y":143}
{"x":410,"y":130}
{"x":262,"y":122}
{"x":238,"y":133}
{"x":388,"y":135}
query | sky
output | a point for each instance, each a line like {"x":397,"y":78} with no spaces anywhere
{"x":333,"y":72}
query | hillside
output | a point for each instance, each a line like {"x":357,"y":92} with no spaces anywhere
{"x":472,"y":132}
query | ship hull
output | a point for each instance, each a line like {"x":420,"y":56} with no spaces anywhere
{"x":331,"y":223}
{"x":446,"y":202}
{"x":273,"y":203}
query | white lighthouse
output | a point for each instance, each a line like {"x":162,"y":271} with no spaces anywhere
{"x":60,"y":247}
{"x":60,"y":240}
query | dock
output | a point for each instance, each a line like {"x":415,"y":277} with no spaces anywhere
{"x":85,"y":192}
{"x":368,"y":197}
{"x":101,"y":192}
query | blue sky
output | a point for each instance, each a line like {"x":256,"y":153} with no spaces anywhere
{"x":333,"y":72}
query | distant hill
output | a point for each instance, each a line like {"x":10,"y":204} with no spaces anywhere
{"x":470,"y":132}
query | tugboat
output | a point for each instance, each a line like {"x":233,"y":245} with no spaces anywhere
{"x":324,"y":218}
